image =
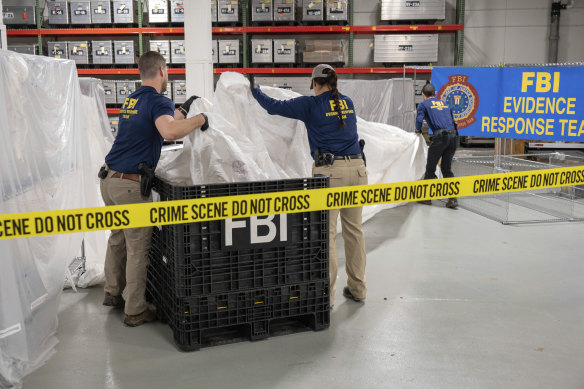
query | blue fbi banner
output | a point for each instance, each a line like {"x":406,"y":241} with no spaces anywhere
{"x":538,"y":103}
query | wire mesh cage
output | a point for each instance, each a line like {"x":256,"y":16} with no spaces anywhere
{"x":534,"y":206}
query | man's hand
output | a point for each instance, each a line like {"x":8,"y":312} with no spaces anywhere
{"x":418,"y":132}
{"x":184,"y":109}
{"x":205,"y":125}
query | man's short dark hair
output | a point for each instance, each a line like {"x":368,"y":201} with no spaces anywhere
{"x":149,"y":63}
{"x":428,"y":90}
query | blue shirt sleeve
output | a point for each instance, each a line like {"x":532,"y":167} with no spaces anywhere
{"x":162,"y":106}
{"x":420,"y":117}
{"x":297,"y":108}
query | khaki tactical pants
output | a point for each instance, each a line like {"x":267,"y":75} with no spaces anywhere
{"x":126,"y":258}
{"x":347,"y":172}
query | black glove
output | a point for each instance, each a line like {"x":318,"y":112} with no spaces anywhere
{"x":418,"y":131}
{"x":205,"y":125}
{"x":184,"y":109}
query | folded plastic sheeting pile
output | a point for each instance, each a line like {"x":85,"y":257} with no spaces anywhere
{"x":45,"y":164}
{"x":245,"y":143}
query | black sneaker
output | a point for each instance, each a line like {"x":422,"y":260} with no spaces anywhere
{"x":452,"y":203}
{"x":113,"y":301}
{"x":425,"y":202}
{"x":347,"y":293}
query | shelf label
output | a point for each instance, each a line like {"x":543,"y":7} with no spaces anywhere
{"x":405,"y":48}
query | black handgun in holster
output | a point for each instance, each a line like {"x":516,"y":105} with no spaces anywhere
{"x":103,"y":172}
{"x":322,"y":159}
{"x":362,"y":144}
{"x":147,"y":179}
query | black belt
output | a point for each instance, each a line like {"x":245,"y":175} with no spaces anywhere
{"x":354,"y":156}
{"x":438,"y":132}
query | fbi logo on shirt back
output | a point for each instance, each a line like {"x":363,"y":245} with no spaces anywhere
{"x":462,"y":98}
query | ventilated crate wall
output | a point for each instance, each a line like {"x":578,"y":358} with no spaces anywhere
{"x":202,"y":283}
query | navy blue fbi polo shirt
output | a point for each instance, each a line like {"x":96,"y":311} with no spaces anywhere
{"x":437,"y":114}
{"x":138,"y":139}
{"x":320,"y":116}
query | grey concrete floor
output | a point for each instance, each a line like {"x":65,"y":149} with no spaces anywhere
{"x":455,"y":301}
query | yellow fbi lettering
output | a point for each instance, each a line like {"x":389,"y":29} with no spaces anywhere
{"x":544,"y":82}
{"x":439,"y":105}
{"x":129,"y":103}
{"x":343,"y":103}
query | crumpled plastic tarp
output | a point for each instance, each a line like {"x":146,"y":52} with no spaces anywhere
{"x":245,"y":143}
{"x":45,"y":164}
{"x":389,"y":101}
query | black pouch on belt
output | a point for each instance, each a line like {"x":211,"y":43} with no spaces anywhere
{"x":147,"y":179}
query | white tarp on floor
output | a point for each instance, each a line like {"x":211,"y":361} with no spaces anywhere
{"x":245,"y":143}
{"x":45,"y":164}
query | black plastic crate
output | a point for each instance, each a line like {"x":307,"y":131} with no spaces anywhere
{"x":169,"y":191}
{"x":211,"y":320}
{"x":192,"y":259}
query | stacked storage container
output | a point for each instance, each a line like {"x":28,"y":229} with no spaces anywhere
{"x":406,"y":48}
{"x":413,"y":10}
{"x":215,"y":276}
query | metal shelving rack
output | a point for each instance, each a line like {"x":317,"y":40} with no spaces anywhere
{"x":247,"y":31}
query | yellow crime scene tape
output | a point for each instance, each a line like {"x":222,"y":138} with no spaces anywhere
{"x":19,"y":225}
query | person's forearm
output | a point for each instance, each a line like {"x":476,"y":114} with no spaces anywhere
{"x":178,"y":129}
{"x":178,"y":115}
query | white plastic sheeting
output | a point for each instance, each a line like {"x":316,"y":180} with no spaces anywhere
{"x":45,"y":164}
{"x":245,"y":143}
{"x":383,"y":101}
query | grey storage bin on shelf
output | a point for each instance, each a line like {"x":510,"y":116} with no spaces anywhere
{"x":101,"y":12}
{"x":285,"y":51}
{"x":58,"y":12}
{"x":337,"y":10}
{"x":124,"y":11}
{"x":124,"y":52}
{"x":261,"y":51}
{"x":262,"y":10}
{"x":124,"y":89}
{"x":213,"y":11}
{"x":229,"y":51}
{"x":228,"y":11}
{"x":158,"y":11}
{"x":30,"y":49}
{"x":79,"y":52}
{"x":102,"y":52}
{"x":177,"y":52}
{"x":177,"y":11}
{"x":109,"y":87}
{"x":406,"y":48}
{"x":58,"y":50}
{"x":214,"y":51}
{"x":284,"y":10}
{"x":179,"y":91}
{"x":19,"y":15}
{"x":413,"y":10}
{"x":312,"y":10}
{"x":80,"y":12}
{"x":163,"y":47}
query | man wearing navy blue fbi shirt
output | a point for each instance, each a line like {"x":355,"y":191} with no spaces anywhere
{"x":441,"y":122}
{"x":146,"y":119}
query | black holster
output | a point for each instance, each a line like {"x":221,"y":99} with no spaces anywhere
{"x":362,"y":144}
{"x":103,"y":172}
{"x":147,"y":179}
